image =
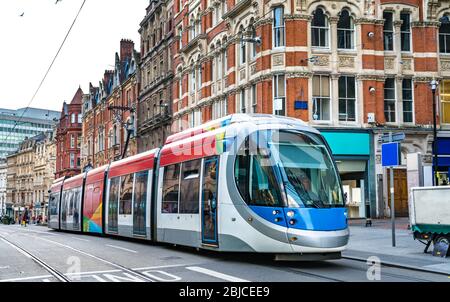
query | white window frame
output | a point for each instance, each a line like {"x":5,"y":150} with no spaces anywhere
{"x":325,"y":28}
{"x":409,"y":32}
{"x":412,"y":102}
{"x":391,"y":101}
{"x":275,"y":88}
{"x":315,"y":97}
{"x":281,"y":28}
{"x":347,"y":99}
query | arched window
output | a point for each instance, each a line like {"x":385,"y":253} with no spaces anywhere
{"x":243,"y":48}
{"x":192,"y":25}
{"x":345,"y":30}
{"x":319,"y":29}
{"x":444,"y":35}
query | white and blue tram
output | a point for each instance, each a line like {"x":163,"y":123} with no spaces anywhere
{"x":242,"y":183}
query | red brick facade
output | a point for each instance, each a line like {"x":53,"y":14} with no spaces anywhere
{"x":68,"y":138}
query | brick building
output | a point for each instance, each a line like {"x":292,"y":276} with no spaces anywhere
{"x":155,"y":110}
{"x":68,"y":138}
{"x":353,"y":69}
{"x":105,"y":128}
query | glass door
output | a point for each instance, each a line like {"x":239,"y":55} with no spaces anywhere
{"x":209,"y":201}
{"x":140,"y":204}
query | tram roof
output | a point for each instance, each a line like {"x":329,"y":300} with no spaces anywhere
{"x":74,"y":182}
{"x":140,"y":162}
{"x":233,"y":119}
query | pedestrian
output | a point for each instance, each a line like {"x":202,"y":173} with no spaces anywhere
{"x":25,"y":218}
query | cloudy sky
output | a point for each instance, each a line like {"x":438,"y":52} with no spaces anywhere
{"x":29,"y":43}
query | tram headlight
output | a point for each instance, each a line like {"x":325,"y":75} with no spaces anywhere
{"x":290,"y":214}
{"x":292,"y":221}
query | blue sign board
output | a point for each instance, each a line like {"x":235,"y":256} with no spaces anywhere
{"x":391,"y":155}
{"x":300,"y":105}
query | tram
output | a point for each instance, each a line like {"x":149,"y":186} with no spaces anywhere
{"x":242,"y":183}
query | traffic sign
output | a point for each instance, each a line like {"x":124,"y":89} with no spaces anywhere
{"x":396,"y":137}
{"x":391,"y":154}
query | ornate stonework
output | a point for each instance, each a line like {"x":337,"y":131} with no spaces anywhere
{"x":389,"y":63}
{"x":407,"y":64}
{"x":346,"y":61}
{"x":322,"y":61}
{"x":253,"y":69}
{"x":445,"y":65}
{"x":278,"y":60}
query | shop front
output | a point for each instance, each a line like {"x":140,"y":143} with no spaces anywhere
{"x":443,"y":151}
{"x":351,"y":151}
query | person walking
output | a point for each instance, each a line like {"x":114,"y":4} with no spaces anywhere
{"x":25,"y":218}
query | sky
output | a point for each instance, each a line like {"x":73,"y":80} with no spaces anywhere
{"x":29,"y":43}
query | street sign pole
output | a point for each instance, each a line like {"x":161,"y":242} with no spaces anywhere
{"x":390,"y":158}
{"x":392,"y":207}
{"x":392,"y":199}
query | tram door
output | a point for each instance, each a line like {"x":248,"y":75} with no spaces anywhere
{"x":209,"y":201}
{"x":140,"y":203}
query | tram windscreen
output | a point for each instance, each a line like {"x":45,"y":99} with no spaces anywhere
{"x":309,"y":176}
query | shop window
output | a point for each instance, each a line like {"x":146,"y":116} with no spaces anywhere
{"x":347,"y":99}
{"x":405,"y":31}
{"x":321,"y":97}
{"x":320,"y":29}
{"x":389,"y":100}
{"x":279,"y":94}
{"x":408,"y":107}
{"x":189,"y":187}
{"x":345,"y":30}
{"x":388,"y":31}
{"x":445,"y":101}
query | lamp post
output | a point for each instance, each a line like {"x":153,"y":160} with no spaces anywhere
{"x":434,"y":85}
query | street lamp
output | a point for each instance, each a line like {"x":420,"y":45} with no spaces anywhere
{"x":433,"y":85}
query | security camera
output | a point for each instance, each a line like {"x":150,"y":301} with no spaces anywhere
{"x":372,"y":90}
{"x":370,"y":34}
{"x":257,"y":40}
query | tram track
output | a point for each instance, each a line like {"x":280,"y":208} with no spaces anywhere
{"x":400,"y":266}
{"x":400,"y":277}
{"x":54,"y":272}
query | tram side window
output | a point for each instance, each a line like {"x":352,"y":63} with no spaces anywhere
{"x":53,"y":203}
{"x":189,"y":188}
{"x":171,"y":185}
{"x":65,"y":196}
{"x":255,"y":178}
{"x":70,"y":199}
{"x":113,"y":197}
{"x":126,"y":195}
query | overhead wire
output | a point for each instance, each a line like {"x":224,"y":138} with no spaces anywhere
{"x":47,"y":72}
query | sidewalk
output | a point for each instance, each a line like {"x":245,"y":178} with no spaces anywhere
{"x":377,"y":241}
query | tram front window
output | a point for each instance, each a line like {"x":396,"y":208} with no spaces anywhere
{"x":308,"y":173}
{"x":279,"y":168}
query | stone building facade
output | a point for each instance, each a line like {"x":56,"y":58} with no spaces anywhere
{"x":30,"y":172}
{"x":353,"y":69}
{"x":110,"y":109}
{"x":155,"y":96}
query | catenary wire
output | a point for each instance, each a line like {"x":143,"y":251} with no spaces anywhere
{"x":47,"y":72}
